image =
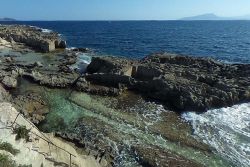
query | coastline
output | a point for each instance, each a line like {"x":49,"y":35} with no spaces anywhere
{"x":186,"y":80}
{"x":38,"y":152}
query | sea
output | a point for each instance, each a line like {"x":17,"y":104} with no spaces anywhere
{"x":227,"y":41}
{"x":227,"y":130}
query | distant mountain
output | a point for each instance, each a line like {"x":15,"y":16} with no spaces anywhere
{"x":7,"y":19}
{"x":246,"y":17}
{"x":211,"y":16}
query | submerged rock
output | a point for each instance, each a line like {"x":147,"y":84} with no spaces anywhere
{"x":32,"y":106}
{"x":38,"y":64}
{"x":152,"y":156}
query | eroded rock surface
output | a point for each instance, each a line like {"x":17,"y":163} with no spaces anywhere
{"x":4,"y":95}
{"x":9,"y":82}
{"x":181,"y":82}
{"x":32,"y":36}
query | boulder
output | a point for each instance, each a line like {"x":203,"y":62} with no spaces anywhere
{"x":38,"y":64}
{"x":9,"y":82}
{"x":4,"y":95}
{"x":113,"y":65}
{"x":63,"y":44}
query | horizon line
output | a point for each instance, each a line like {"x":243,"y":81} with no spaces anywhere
{"x":135,"y":20}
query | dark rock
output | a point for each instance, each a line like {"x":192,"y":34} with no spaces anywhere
{"x":38,"y":64}
{"x":182,"y":82}
{"x":9,"y":59}
{"x":114,"y":65}
{"x":84,"y":50}
{"x":62,"y":44}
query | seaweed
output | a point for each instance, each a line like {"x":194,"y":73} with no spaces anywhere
{"x":22,"y":133}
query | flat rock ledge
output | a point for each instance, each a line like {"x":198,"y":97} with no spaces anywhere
{"x":40,"y":149}
{"x":32,"y":36}
{"x":181,"y":82}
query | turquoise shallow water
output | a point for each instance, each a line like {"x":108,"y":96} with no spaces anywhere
{"x":117,"y":124}
{"x":128,"y":120}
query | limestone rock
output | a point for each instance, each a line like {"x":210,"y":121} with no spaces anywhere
{"x":9,"y":82}
{"x":154,"y":156}
{"x":4,"y":95}
{"x":181,"y":82}
{"x":32,"y":36}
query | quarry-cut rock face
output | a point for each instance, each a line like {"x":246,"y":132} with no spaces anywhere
{"x":181,"y":82}
{"x":32,"y":36}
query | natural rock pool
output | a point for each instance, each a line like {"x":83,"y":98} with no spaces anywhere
{"x":130,"y":125}
{"x":128,"y":130}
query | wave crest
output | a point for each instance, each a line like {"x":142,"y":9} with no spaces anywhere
{"x":227,"y":130}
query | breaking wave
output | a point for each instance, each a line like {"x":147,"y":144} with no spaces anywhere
{"x":227,"y":130}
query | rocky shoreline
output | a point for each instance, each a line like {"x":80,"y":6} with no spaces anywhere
{"x":32,"y":36}
{"x":180,"y":83}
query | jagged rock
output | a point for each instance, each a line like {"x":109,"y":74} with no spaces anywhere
{"x":114,"y":65}
{"x":181,"y":82}
{"x":4,"y":95}
{"x":9,"y":59}
{"x":62,"y":44}
{"x":38,"y":64}
{"x":9,"y":82}
{"x":32,"y":105}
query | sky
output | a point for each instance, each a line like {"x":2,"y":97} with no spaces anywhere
{"x":119,"y":9}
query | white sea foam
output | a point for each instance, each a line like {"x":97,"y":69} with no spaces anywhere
{"x":42,"y":29}
{"x":227,"y":130}
{"x":83,"y":59}
{"x":46,"y":30}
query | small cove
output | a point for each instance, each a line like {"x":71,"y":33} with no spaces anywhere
{"x":118,"y":125}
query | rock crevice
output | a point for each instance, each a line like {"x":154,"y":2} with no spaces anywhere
{"x":182,"y":82}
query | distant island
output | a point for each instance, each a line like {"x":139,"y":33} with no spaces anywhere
{"x":211,"y":16}
{"x":7,"y":19}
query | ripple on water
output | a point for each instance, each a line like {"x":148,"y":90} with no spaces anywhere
{"x":124,"y":129}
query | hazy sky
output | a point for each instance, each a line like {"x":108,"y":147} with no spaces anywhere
{"x":119,"y":9}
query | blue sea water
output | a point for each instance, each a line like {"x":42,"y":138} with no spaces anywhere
{"x":227,"y":129}
{"x":227,"y":41}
